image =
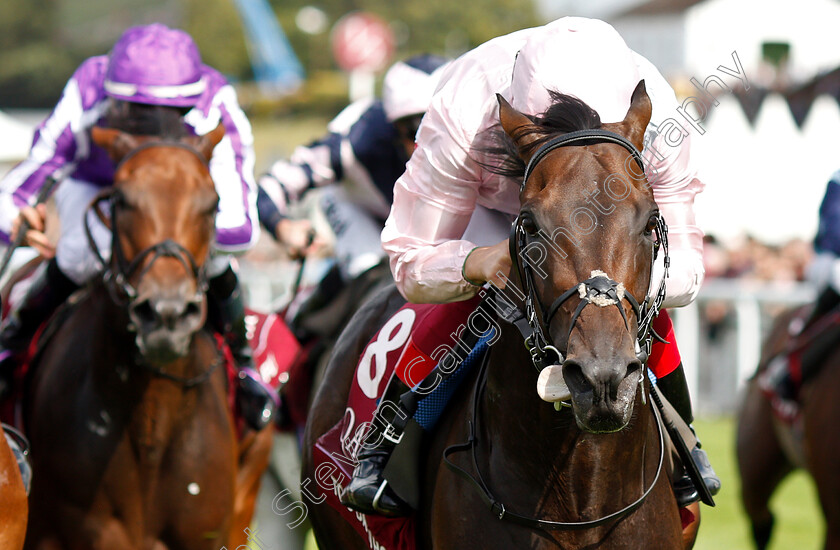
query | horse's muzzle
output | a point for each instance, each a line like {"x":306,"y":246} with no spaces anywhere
{"x":165,"y":326}
{"x":603,"y":392}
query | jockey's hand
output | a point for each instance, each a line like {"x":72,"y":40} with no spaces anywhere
{"x":298,"y":236}
{"x":486,"y":263}
{"x":35,"y":235}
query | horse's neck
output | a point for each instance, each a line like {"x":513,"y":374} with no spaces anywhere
{"x":544,"y":449}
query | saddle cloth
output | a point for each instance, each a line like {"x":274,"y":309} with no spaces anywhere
{"x":407,"y":344}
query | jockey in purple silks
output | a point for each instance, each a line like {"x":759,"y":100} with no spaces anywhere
{"x":152,"y":83}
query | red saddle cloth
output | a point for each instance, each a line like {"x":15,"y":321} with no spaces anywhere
{"x":281,"y":361}
{"x":406,"y":342}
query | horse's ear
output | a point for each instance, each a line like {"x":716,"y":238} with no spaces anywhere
{"x":517,"y":126}
{"x":638,"y":116}
{"x":117,"y":143}
{"x":208,"y":141}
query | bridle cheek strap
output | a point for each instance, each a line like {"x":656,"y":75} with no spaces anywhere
{"x":599,"y":288}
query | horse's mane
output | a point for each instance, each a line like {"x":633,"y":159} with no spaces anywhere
{"x":566,"y":114}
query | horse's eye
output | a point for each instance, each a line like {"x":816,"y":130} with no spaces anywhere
{"x":529,"y":225}
{"x":651,"y":224}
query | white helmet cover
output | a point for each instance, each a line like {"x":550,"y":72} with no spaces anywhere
{"x":409,"y":85}
{"x":585,"y":58}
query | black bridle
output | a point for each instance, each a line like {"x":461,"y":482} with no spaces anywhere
{"x":599,"y":286}
{"x":117,"y":274}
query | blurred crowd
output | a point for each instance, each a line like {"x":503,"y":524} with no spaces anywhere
{"x":749,"y":258}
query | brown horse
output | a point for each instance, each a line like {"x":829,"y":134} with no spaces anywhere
{"x":133,"y":440}
{"x":14,"y":508}
{"x":769,"y":449}
{"x":598,"y":467}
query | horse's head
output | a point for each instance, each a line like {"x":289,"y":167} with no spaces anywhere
{"x":585,"y":241}
{"x":163,"y":208}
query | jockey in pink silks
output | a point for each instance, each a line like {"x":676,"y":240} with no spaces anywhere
{"x":446,"y":180}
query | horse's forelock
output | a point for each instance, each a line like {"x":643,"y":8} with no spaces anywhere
{"x":565,"y":114}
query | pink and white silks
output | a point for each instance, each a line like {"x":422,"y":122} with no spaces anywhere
{"x":443,"y":183}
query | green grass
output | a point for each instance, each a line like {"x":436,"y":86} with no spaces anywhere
{"x":310,"y":542}
{"x":799,"y":523}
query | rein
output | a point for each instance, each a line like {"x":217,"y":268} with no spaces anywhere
{"x":186,"y":381}
{"x":118,"y":273}
{"x":498,"y":508}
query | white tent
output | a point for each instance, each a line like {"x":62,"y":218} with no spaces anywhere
{"x":15,"y":139}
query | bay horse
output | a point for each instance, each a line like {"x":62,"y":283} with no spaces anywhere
{"x":134,"y":443}
{"x":14,"y":507}
{"x":586,"y":478}
{"x":769,"y":449}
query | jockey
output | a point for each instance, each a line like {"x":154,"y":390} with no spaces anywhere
{"x":813,"y":339}
{"x":152,"y":74}
{"x":432,"y":261}
{"x":364,"y":153}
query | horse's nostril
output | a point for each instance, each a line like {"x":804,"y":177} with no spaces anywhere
{"x":193,"y":309}
{"x":144,"y":313}
{"x":575,"y":379}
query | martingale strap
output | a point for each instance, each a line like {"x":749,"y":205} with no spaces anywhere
{"x":499,"y":509}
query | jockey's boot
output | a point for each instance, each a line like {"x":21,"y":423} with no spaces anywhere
{"x":777,"y":384}
{"x":48,"y":290}
{"x":675,"y":389}
{"x":368,"y":492}
{"x":258,"y":402}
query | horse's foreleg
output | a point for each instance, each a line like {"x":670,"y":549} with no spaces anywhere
{"x":13,"y":501}
{"x":254,"y":454}
{"x":761,"y":461}
{"x":820,"y":411}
